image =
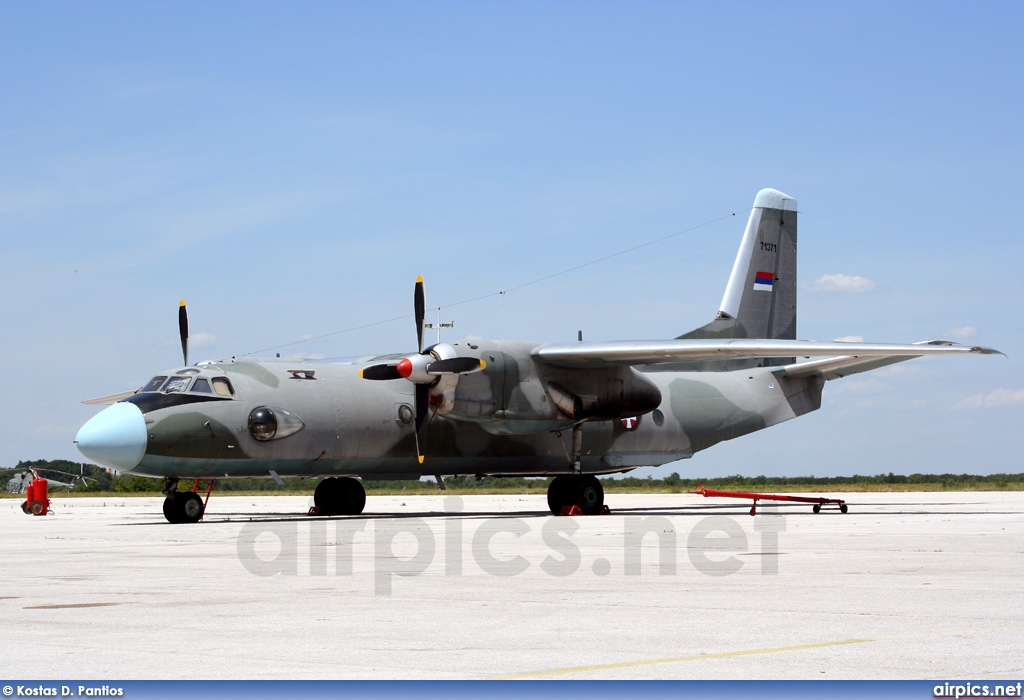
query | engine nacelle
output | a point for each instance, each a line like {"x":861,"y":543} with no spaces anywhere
{"x":442,"y":388}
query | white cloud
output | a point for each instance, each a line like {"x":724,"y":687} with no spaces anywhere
{"x":965,"y":332}
{"x":993,"y":399}
{"x":202,"y":340}
{"x":841,"y":283}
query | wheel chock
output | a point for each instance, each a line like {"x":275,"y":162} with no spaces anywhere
{"x":576,"y":510}
{"x":314,"y":510}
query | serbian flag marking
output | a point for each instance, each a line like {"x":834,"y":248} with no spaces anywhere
{"x":763,"y":281}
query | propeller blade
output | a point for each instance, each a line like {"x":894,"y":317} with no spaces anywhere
{"x":420,"y":306}
{"x":422,"y":406}
{"x":183,"y":330}
{"x":380,"y":372}
{"x":455,"y":365}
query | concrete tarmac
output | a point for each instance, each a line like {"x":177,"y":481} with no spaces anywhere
{"x":904,"y":586}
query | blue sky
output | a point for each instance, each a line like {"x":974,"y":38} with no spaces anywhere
{"x":289,"y":168}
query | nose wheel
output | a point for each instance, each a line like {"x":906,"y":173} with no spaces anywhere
{"x":184,"y":506}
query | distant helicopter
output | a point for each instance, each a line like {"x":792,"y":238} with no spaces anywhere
{"x":19,"y":482}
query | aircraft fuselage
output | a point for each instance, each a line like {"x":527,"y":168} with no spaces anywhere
{"x":513,"y":417}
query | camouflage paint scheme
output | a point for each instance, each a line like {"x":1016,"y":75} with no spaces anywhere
{"x":503,"y":421}
{"x":639,"y":403}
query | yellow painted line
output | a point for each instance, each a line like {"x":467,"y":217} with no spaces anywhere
{"x":681,"y":659}
{"x":753,"y":652}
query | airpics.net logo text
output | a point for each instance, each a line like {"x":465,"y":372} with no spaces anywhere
{"x":962,"y":691}
{"x":504,"y":546}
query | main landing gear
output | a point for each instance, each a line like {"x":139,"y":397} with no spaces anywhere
{"x":584,"y":491}
{"x":339,"y":495}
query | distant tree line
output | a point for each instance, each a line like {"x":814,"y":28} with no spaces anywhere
{"x":99,"y":480}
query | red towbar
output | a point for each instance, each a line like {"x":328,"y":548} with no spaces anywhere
{"x":818,"y":502}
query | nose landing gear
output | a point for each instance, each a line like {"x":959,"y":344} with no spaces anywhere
{"x":185,"y":506}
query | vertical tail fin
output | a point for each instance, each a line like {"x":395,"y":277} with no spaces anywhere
{"x":760,"y":298}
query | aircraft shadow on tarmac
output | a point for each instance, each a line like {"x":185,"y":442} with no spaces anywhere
{"x":739,"y":509}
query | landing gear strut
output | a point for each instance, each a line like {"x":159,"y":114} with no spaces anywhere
{"x":584,"y":491}
{"x":339,"y":495}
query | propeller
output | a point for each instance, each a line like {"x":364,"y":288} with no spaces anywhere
{"x":420,"y":305}
{"x":426,"y":369}
{"x":183,"y":330}
{"x":182,"y":333}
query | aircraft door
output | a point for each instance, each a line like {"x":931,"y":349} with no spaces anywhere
{"x":497,"y":374}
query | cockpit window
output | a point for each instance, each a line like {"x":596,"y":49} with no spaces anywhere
{"x":175,"y":384}
{"x":179,"y":383}
{"x":154,"y":384}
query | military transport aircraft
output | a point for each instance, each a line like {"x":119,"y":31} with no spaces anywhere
{"x":483,"y":407}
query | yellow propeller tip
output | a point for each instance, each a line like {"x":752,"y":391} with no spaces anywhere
{"x":360,"y":374}
{"x":420,"y":458}
{"x":181,"y":303}
{"x":483,"y":365}
{"x":419,"y":279}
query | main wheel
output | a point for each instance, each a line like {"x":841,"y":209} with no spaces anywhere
{"x":352,"y":496}
{"x":35,"y":507}
{"x":339,"y":495}
{"x":590,"y":495}
{"x":560,"y":493}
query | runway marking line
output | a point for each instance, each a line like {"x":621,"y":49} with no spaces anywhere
{"x":681,"y":659}
{"x":70,"y":606}
{"x":753,"y":652}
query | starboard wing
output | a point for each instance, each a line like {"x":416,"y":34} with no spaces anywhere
{"x":840,"y":354}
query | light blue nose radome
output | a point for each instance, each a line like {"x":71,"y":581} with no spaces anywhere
{"x":115,"y":437}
